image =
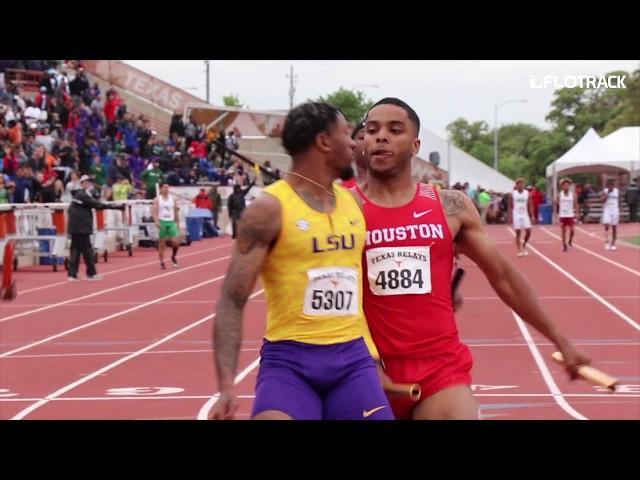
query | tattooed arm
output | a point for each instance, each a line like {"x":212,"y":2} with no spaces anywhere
{"x":258,"y":229}
{"x":505,"y":279}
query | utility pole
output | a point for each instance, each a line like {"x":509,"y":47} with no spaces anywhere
{"x":292,"y":90}
{"x":206,"y":62}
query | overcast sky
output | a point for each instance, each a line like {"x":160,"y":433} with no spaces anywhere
{"x":440,"y":91}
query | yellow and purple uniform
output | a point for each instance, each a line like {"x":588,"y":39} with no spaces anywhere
{"x":317,"y":355}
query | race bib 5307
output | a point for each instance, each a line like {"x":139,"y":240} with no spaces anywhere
{"x":332,"y":291}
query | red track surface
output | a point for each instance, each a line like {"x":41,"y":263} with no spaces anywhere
{"x":137,"y":345}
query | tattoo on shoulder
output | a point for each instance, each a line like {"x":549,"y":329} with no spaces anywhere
{"x":255,"y":230}
{"x":251,"y":235}
{"x":452,"y":201}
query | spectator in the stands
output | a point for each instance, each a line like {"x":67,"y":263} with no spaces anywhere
{"x":137,"y":164}
{"x":10,"y":163}
{"x":122,"y":111}
{"x":190,"y":131}
{"x":32,"y":113}
{"x":15,"y":132}
{"x":128,"y":131}
{"x":62,"y":81}
{"x":232,"y":141}
{"x":121,"y":168}
{"x":43,"y":99}
{"x":45,"y":82}
{"x":53,"y":80}
{"x":122,"y":189}
{"x":97,"y":171}
{"x":220,"y":143}
{"x":198,"y":149}
{"x":266,"y":178}
{"x":192,"y":177}
{"x":44,"y":138}
{"x":71,"y":186}
{"x":19,"y":102}
{"x":143,"y":134}
{"x":79,"y":86}
{"x":28,"y":145}
{"x":37,"y":160}
{"x":110,"y":108}
{"x":152,"y":177}
{"x":68,"y":155}
{"x":4,"y":192}
{"x":52,"y":192}
{"x":23,"y":186}
{"x":177,"y":125}
{"x":97,"y":104}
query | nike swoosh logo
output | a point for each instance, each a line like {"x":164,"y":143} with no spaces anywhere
{"x":418,"y":215}
{"x":368,"y":413}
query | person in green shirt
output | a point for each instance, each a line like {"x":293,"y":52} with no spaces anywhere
{"x":151,"y":178}
{"x":98,"y":172}
{"x":484,"y":199}
{"x":4,"y":193}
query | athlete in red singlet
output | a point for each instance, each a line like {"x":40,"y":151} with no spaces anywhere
{"x":408,"y":258}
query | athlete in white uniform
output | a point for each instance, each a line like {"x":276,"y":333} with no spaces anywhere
{"x":567,"y":206}
{"x":520,"y":212}
{"x":610,"y":213}
{"x":165,"y":215}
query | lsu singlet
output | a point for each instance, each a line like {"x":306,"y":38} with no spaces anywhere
{"x":312,"y":275}
{"x":408,"y":261}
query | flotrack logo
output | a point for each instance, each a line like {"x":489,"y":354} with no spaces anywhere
{"x":572,"y":81}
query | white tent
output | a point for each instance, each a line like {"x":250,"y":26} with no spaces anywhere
{"x":460,"y":166}
{"x":589,"y":154}
{"x":626,"y":141}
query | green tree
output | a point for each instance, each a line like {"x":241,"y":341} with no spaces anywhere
{"x":543,"y":149}
{"x":354,"y":104}
{"x":466,"y":135}
{"x":482,"y":152}
{"x":628,"y":113}
{"x":513,"y":166}
{"x":232,"y":100}
{"x":567,"y":105}
{"x":576,"y":110}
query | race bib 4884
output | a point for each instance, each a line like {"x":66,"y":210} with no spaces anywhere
{"x":399,"y":270}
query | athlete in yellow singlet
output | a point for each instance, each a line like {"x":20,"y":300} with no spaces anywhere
{"x":305,"y":236}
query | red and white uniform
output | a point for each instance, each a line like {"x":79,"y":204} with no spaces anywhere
{"x":566,"y":212}
{"x":407,"y":266}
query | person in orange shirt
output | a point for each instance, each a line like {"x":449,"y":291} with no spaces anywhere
{"x":15,"y":132}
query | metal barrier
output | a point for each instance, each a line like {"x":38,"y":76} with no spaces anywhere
{"x":128,"y":225}
{"x":21,"y":223}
